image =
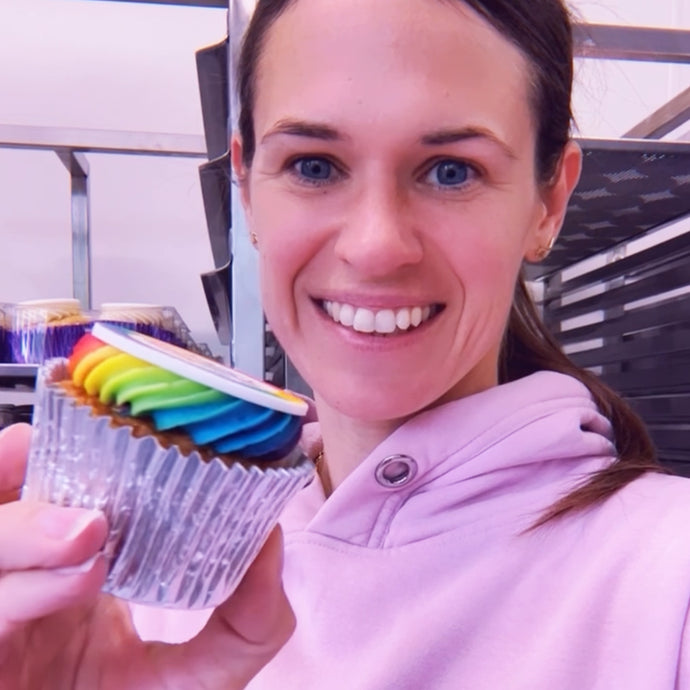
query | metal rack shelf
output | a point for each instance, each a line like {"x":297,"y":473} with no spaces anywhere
{"x":627,"y":188}
{"x":71,"y":145}
{"x":17,"y":383}
{"x":18,"y":371}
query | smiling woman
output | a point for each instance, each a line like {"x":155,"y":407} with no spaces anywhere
{"x":421,"y":199}
{"x":398,"y":162}
{"x":486,"y":515}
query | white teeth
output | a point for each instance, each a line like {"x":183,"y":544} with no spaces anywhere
{"x":365,"y":321}
{"x":384,"y":321}
{"x":347,"y":315}
{"x":416,"y":316}
{"x":402,"y":319}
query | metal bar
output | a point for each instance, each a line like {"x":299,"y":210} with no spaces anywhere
{"x":102,"y":141}
{"x":8,"y":396}
{"x":18,"y":371}
{"x":603,"y":41}
{"x":644,"y":146}
{"x":247,"y":342}
{"x":664,"y":120}
{"x":78,"y":168}
{"x":651,"y":316}
{"x":672,"y":436}
{"x":220,"y":4}
{"x":212,"y":71}
{"x":617,"y":351}
{"x":656,"y":381}
{"x":669,"y":250}
{"x":676,"y":275}
{"x":663,"y":410}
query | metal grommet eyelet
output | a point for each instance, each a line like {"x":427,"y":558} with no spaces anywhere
{"x":396,"y":471}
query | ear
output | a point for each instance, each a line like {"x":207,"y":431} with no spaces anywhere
{"x":555,"y":197}
{"x":241,"y":172}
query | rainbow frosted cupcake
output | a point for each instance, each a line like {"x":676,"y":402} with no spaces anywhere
{"x":191,"y":462}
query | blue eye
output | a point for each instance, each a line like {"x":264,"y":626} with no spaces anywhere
{"x":449,"y":173}
{"x":316,"y":169}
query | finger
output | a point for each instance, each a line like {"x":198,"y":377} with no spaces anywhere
{"x":14,"y":449}
{"x":243,"y":634}
{"x":259,"y":604}
{"x":42,"y":535}
{"x":26,"y":596}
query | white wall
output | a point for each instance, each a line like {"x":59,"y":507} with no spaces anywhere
{"x":110,"y":65}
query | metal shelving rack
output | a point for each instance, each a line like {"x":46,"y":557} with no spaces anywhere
{"x":618,"y":309}
{"x":17,"y":383}
{"x":595,"y":228}
{"x":72,"y":146}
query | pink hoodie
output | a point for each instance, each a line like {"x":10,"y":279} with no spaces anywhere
{"x":433,"y":583}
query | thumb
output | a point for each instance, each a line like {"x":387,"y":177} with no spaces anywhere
{"x":244,"y":633}
{"x":14,"y":450}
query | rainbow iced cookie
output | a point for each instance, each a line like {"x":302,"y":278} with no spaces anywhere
{"x":132,"y":387}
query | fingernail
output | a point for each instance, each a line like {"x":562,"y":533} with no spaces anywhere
{"x":78,"y":569}
{"x":66,"y":523}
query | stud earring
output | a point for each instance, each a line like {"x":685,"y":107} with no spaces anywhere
{"x":544,"y":251}
{"x":254,"y":239}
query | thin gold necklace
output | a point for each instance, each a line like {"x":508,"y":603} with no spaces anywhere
{"x":322,"y":471}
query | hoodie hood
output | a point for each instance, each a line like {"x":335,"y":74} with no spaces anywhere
{"x":502,"y":455}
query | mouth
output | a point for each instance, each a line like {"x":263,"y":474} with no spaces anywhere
{"x":379,"y":321}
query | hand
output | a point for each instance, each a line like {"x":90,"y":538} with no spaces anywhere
{"x":58,"y":632}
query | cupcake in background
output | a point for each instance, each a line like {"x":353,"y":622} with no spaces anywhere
{"x":149,"y":319}
{"x":191,"y":462}
{"x":44,"y":329}
{"x":4,"y":334}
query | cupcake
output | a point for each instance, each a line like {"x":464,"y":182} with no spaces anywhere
{"x":150,"y":319}
{"x":43,"y":329}
{"x":191,"y":462}
{"x":4,"y":334}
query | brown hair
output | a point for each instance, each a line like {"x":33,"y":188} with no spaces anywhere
{"x":528,"y":346}
{"x":542,"y":31}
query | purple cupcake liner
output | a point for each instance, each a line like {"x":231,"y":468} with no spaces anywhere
{"x":152,"y":330}
{"x":4,"y":346}
{"x":40,"y":343}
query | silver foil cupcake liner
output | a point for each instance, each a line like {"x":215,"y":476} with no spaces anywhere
{"x":182,"y":531}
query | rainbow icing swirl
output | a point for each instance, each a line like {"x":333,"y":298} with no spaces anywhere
{"x":210,"y":418}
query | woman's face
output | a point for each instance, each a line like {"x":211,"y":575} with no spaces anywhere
{"x":394,"y":196}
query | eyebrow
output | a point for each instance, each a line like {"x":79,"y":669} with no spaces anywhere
{"x":309,"y":130}
{"x":452,"y":136}
{"x":324,"y":132}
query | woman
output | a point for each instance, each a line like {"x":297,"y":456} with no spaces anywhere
{"x":398,"y":161}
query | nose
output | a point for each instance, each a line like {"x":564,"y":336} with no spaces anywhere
{"x":378,"y":236}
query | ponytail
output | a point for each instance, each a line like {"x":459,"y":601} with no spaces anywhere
{"x":529,"y":347}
